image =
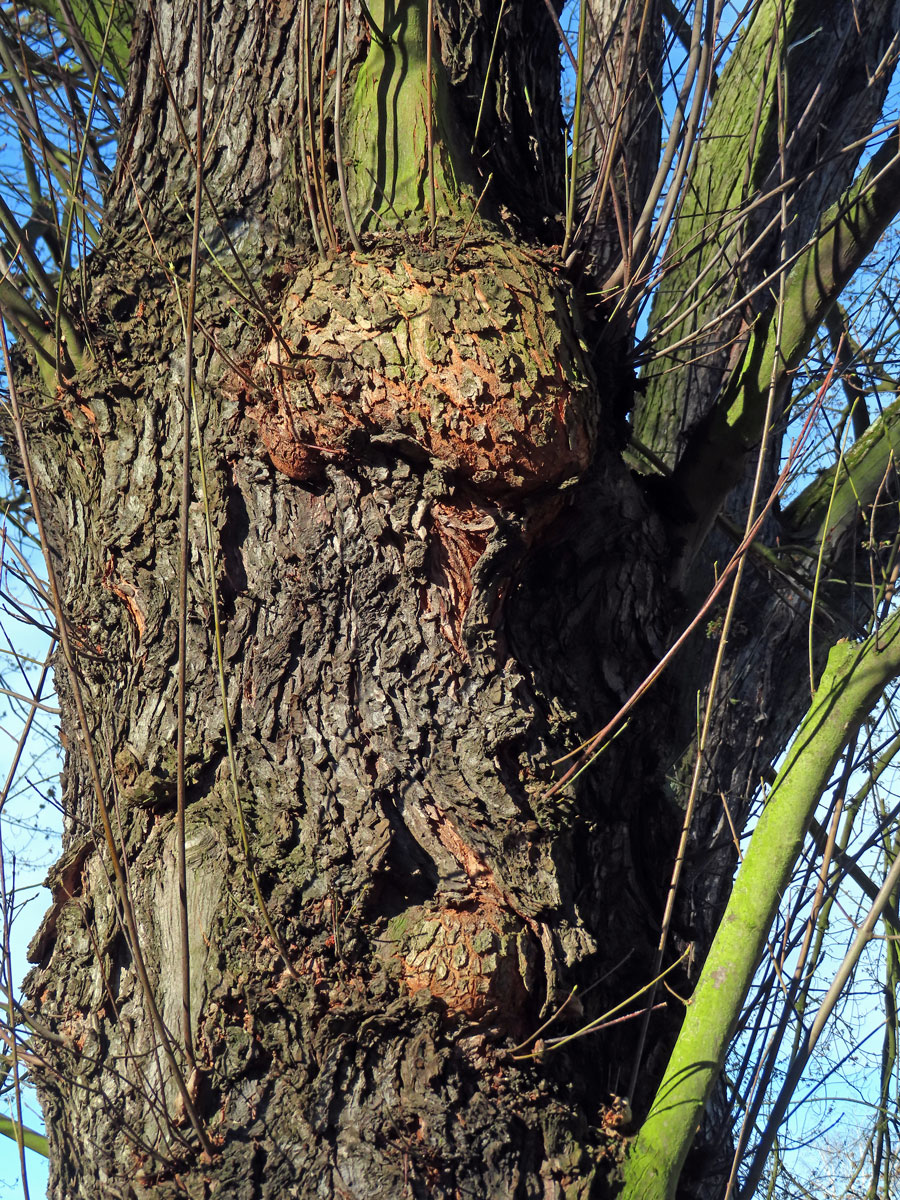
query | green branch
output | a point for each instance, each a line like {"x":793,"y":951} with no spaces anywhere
{"x":848,"y":234}
{"x":853,"y":680}
{"x":89,"y":20}
{"x":808,"y":519}
{"x":390,"y":169}
{"x":730,"y":176}
{"x":31,"y":1138}
{"x":715,"y":461}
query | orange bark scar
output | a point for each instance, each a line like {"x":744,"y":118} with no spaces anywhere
{"x":461,"y":362}
{"x":478,"y":367}
{"x":469,"y":957}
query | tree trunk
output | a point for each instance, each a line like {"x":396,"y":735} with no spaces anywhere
{"x":435,"y":576}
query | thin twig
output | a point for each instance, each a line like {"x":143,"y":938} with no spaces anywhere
{"x":487,"y":76}
{"x":338,"y":148}
{"x":576,"y":129}
{"x":61,"y":318}
{"x":302,"y":97}
{"x":465,"y":233}
{"x":429,"y":119}
{"x":591,"y":746}
{"x":184,"y":561}
{"x":226,"y":720}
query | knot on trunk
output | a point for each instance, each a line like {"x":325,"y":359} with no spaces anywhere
{"x":473,"y":361}
{"x":476,"y":958}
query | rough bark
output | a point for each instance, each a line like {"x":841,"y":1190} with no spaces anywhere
{"x":436,"y":575}
{"x":405,"y":652}
{"x":398,"y":453}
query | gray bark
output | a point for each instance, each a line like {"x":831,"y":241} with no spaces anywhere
{"x":436,"y":576}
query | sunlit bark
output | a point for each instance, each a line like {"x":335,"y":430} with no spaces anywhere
{"x":436,"y":574}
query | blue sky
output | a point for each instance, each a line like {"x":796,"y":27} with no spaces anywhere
{"x":30,"y":823}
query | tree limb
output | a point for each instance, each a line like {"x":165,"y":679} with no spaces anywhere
{"x":715,"y":460}
{"x":854,"y":678}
